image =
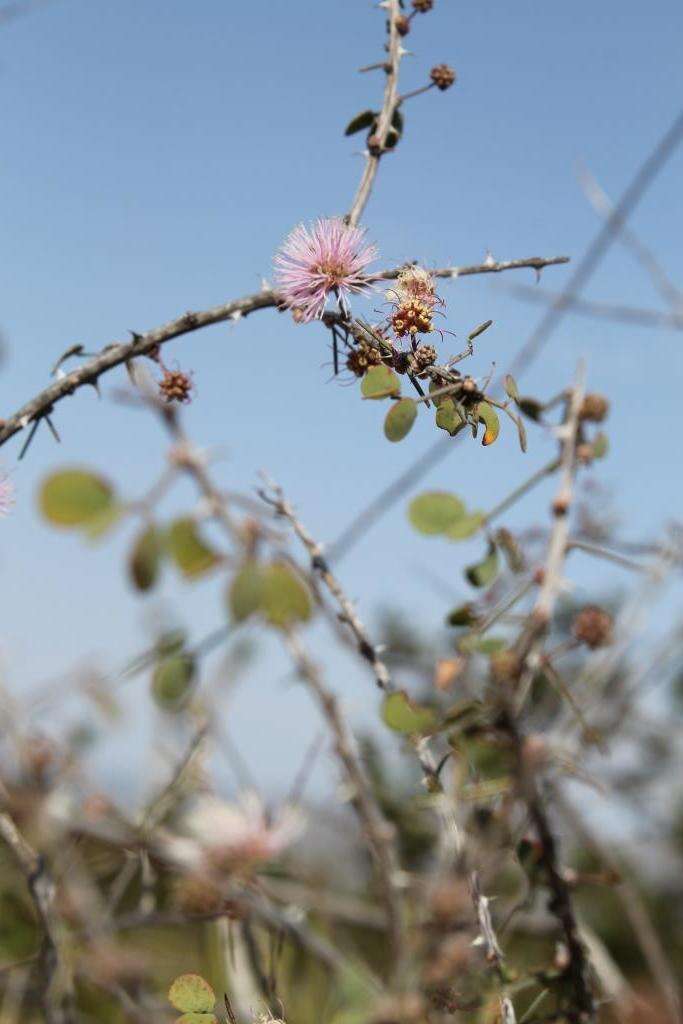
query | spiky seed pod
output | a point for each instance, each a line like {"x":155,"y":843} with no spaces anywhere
{"x":595,"y":408}
{"x":442,"y":76}
{"x":175,"y":386}
{"x":412,"y":318}
{"x":423,"y":6}
{"x":420,"y":359}
{"x":402,"y":25}
{"x":593,"y":627}
{"x":361,"y":358}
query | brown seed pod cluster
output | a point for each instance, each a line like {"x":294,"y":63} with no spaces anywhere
{"x":593,"y":626}
{"x":595,"y":408}
{"x":420,"y":359}
{"x":402,"y":25}
{"x":442,"y":76}
{"x":411,"y":318}
{"x":361,"y":358}
{"x":175,"y":386}
{"x":423,"y":6}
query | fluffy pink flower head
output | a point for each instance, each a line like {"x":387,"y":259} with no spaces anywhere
{"x":6,"y":494}
{"x":331,"y":257}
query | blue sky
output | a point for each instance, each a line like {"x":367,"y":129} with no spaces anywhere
{"x":153,"y":157}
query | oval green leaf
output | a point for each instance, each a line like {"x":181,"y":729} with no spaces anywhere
{"x":145,"y":557}
{"x":400,"y":419}
{"x":448,"y":418}
{"x":435,"y":511}
{"x":172,"y":682}
{"x":463,"y":615}
{"x":465,"y":527}
{"x":474,"y":643}
{"x":482,"y":573}
{"x":285,"y":598}
{"x":404,"y":715}
{"x":75,"y":497}
{"x":188,"y":549}
{"x":380,"y":382}
{"x":191,"y":993}
{"x":245,"y":594}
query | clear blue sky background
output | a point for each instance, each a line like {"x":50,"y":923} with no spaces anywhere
{"x":155,"y":153}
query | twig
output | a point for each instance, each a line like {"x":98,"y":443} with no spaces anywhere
{"x":610,"y":230}
{"x":378,"y":832}
{"x":319,"y":565}
{"x":42,"y":890}
{"x":119,"y":353}
{"x":632,"y":315}
{"x":389,"y":104}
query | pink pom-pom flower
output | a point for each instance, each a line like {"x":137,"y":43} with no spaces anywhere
{"x":329,"y":258}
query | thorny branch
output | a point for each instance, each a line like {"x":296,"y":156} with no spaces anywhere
{"x":120,"y":353}
{"x":389,"y":105}
{"x":319,"y":565}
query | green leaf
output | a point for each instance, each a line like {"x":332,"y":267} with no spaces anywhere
{"x":448,"y":418}
{"x":172,"y":682}
{"x":489,"y":416}
{"x":465,"y":527}
{"x":403,"y":715}
{"x":463,"y":615}
{"x":400,"y":419}
{"x":482,"y":573}
{"x":363,"y":120}
{"x":380,"y":382}
{"x":75,"y":497}
{"x":101,"y":523}
{"x":245,"y":594}
{"x":285,"y":599}
{"x":188,"y":550}
{"x":474,"y":643}
{"x":600,"y":446}
{"x":435,"y":511}
{"x":145,"y":558}
{"x":191,"y":993}
{"x":510,"y":385}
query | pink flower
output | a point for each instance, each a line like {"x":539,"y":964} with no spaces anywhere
{"x":330,"y":257}
{"x":230,"y":836}
{"x":6,"y":494}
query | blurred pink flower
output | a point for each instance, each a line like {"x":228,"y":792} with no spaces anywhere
{"x":331,"y":257}
{"x":6,"y":494}
{"x":228,"y":836}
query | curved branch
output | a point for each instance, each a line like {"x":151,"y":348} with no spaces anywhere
{"x":118,"y":353}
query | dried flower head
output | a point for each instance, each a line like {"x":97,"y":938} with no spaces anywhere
{"x":233,"y":837}
{"x":6,"y":494}
{"x":362,"y":357}
{"x":595,"y":408}
{"x":402,"y":25}
{"x":414,"y":283}
{"x":330,"y":258}
{"x":175,"y":386}
{"x":442,"y":76}
{"x":411,"y":318}
{"x":422,"y":6}
{"x":593,"y":627}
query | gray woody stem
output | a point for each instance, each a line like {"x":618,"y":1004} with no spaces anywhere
{"x":118,"y":353}
{"x":41,"y":888}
